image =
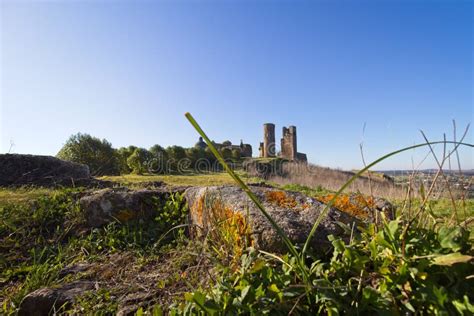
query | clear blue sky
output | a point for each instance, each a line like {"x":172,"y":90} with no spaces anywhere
{"x":128,"y":72}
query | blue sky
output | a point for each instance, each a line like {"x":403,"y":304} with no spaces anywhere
{"x":128,"y":71}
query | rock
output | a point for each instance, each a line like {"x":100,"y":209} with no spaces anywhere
{"x":133,"y":301}
{"x":17,"y":170}
{"x":294,"y":212}
{"x":46,"y":301}
{"x":385,"y":207}
{"x":121,"y":204}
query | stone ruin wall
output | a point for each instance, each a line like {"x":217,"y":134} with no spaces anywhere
{"x":288,"y":143}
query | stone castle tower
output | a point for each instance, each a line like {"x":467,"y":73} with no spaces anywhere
{"x":288,"y":143}
{"x":269,"y":148}
{"x":289,"y":149}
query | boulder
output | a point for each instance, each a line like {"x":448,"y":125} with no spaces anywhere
{"x":121,"y":204}
{"x":47,"y":301}
{"x":17,"y":170}
{"x":294,"y":212}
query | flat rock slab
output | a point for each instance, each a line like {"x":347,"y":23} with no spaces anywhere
{"x":47,"y":301}
{"x":17,"y":170}
{"x":121,"y":204}
{"x":294,"y":212}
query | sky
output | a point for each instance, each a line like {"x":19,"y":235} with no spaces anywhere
{"x":345,"y":73}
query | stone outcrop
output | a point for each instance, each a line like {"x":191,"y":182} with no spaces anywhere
{"x":294,"y":212}
{"x":47,"y":301}
{"x":18,"y":170}
{"x":121,"y":204}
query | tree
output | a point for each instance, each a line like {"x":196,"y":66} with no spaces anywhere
{"x":175,"y":155}
{"x":123,"y":153}
{"x":236,"y":154}
{"x":159,"y":157}
{"x":138,"y":160}
{"x":226,"y":153}
{"x":98,"y":154}
{"x":194,"y":154}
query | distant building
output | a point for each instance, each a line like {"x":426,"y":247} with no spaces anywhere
{"x":245,"y":149}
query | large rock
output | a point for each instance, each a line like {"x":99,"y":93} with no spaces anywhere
{"x":48,"y":301}
{"x":121,"y":204}
{"x":17,"y":170}
{"x":294,"y":212}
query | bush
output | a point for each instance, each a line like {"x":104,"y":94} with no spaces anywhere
{"x":98,"y":154}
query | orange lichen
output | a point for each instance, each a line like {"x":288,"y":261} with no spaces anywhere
{"x":228,"y":230}
{"x":356,"y":205}
{"x":281,"y":199}
{"x":125,"y":215}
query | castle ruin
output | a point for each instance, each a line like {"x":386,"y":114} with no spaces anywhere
{"x":289,"y":148}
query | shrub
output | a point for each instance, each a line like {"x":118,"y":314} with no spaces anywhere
{"x":97,"y":154}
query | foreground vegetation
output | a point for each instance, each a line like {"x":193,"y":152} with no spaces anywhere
{"x":377,"y":270}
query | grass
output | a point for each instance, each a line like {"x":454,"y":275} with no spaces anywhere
{"x":23,"y":195}
{"x":39,"y":239}
{"x":192,"y":179}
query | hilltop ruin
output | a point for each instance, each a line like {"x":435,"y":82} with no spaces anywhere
{"x":289,"y":149}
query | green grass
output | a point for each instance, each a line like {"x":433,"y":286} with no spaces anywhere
{"x":193,"y":179}
{"x":23,"y":195}
{"x":40,"y":238}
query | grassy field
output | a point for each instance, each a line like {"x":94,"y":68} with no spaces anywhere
{"x":23,"y":195}
{"x":191,"y":179}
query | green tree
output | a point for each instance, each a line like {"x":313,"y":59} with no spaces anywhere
{"x":226,"y":153}
{"x":236,"y":154}
{"x":138,"y":160}
{"x":175,"y":155}
{"x":98,"y":154}
{"x":158,"y":159}
{"x":123,"y":153}
{"x":194,"y":154}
